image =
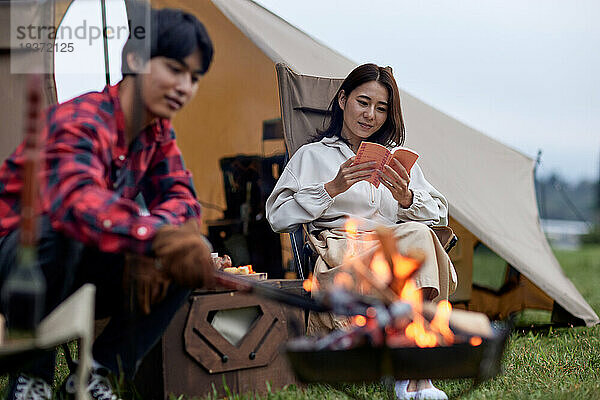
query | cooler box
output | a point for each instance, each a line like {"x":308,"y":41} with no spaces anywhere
{"x":223,"y":337}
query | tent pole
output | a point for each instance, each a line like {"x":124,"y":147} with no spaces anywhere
{"x":105,"y":41}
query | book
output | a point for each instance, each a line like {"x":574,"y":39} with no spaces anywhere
{"x":369,"y":151}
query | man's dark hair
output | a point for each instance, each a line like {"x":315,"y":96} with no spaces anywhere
{"x":172,"y":33}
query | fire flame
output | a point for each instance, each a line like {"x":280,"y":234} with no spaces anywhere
{"x":416,"y":330}
{"x":381,"y":269}
{"x":441,"y":321}
{"x":360,"y":320}
{"x":475,"y":341}
{"x":351,"y":228}
{"x":410,"y":294}
{"x":404,"y":266}
{"x":309,"y":285}
{"x":398,"y":281}
{"x":250,"y":270}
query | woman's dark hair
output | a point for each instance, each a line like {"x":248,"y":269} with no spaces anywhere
{"x":392,"y":131}
{"x":173,"y":34}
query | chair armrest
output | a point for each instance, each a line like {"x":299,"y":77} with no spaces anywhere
{"x":446,"y":236}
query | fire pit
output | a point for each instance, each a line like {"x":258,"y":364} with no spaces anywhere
{"x":370,"y":364}
{"x":391,"y":331}
{"x":399,"y":335}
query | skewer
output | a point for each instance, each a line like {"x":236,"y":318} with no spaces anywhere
{"x":388,"y":246}
{"x":341,"y":303}
{"x":468,"y":323}
{"x":24,"y":289}
{"x":30,"y":195}
{"x":245,"y":285}
{"x":386,"y":293}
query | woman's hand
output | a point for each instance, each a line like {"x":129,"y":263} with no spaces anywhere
{"x":396,"y":180}
{"x":348,"y":175}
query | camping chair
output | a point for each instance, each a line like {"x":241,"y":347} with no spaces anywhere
{"x":72,"y":319}
{"x":304,"y":102}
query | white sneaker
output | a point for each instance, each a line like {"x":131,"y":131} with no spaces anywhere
{"x":401,"y":392}
{"x":30,"y":388}
{"x":431,"y":393}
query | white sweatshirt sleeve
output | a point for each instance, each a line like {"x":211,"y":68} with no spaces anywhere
{"x":429,"y":206}
{"x":290,"y":205}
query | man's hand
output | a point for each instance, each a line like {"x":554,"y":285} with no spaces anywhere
{"x":150,"y":284}
{"x":185,"y":254}
{"x":223,"y":262}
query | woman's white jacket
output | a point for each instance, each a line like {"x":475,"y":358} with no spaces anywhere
{"x":299,"y":197}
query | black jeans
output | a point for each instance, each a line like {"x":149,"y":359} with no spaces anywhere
{"x":67,"y":264}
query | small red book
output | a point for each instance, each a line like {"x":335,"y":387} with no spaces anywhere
{"x":369,"y":151}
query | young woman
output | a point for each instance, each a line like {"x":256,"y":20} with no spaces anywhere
{"x":321,"y":187}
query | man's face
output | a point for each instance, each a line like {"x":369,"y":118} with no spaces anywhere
{"x":169,"y":84}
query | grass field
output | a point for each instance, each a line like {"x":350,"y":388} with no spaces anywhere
{"x":562,"y":363}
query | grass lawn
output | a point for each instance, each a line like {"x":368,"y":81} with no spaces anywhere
{"x":562,"y":363}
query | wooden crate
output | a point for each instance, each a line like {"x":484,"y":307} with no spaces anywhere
{"x":192,"y":357}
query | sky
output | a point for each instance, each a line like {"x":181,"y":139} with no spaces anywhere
{"x":526,"y":73}
{"x":523,"y":72}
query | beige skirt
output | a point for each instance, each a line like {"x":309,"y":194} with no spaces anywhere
{"x":336,"y":245}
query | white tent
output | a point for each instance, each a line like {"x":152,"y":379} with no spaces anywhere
{"x":489,"y":186}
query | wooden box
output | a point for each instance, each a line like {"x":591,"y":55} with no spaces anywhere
{"x":193,"y":357}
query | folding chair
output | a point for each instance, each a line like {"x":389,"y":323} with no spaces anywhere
{"x":72,"y":319}
{"x":304,"y":102}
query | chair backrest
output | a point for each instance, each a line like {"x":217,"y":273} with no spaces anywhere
{"x":304,"y":101}
{"x":304,"y":104}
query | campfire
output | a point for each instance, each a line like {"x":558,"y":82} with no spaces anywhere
{"x":395,"y":330}
{"x":392,"y":332}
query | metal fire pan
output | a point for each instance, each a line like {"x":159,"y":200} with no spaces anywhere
{"x":370,"y":364}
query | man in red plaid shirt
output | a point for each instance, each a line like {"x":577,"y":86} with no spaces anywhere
{"x":105,"y":153}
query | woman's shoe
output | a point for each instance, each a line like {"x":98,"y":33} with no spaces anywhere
{"x":401,"y":393}
{"x":431,"y":393}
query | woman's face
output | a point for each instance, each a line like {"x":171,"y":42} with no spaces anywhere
{"x":365,"y":110}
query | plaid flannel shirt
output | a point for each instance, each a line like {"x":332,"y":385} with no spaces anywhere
{"x":90,"y":179}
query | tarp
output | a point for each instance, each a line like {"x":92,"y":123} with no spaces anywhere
{"x":489,"y":186}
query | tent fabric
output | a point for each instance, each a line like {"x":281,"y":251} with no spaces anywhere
{"x":488,"y":185}
{"x":282,"y":42}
